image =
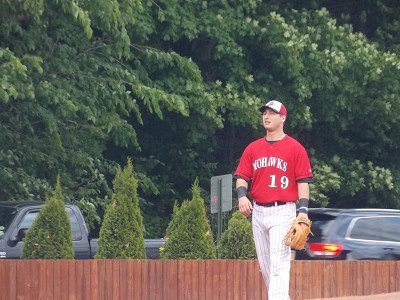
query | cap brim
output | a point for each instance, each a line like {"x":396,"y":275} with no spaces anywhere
{"x":264,"y":107}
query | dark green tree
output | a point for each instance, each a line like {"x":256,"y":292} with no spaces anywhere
{"x":189,"y":233}
{"x":121,"y":234}
{"x":50,"y":235}
{"x":237,"y":240}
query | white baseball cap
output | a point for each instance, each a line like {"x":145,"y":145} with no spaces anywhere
{"x":276,"y":106}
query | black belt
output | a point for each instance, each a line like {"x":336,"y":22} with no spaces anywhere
{"x":270,"y":203}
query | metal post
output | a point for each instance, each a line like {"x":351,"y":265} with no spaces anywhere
{"x":219,"y":211}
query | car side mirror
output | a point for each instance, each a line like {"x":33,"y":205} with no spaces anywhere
{"x":20,"y":235}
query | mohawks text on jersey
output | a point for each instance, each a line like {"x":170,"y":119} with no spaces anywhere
{"x":270,"y":161}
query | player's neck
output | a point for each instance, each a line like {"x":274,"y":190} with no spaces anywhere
{"x":275,"y":135}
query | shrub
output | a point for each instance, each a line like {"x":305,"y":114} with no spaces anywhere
{"x":237,"y":241}
{"x":189,"y":233}
{"x":121,"y":234}
{"x":50,"y":236}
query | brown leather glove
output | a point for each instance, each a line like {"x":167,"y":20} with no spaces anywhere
{"x":298,"y":234}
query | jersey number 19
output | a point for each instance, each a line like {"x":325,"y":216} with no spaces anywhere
{"x":284,"y":182}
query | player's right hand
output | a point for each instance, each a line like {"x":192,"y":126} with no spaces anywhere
{"x":245,"y":206}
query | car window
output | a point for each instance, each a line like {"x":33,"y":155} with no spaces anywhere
{"x":6,"y":216}
{"x":76,"y":229}
{"x":321,"y":224}
{"x":29,"y":217}
{"x":391,"y":228}
{"x":376,"y":228}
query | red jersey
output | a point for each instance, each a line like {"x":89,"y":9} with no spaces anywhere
{"x":274,"y":169}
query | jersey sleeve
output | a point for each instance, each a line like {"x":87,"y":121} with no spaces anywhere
{"x":303,"y":165}
{"x":245,"y":169}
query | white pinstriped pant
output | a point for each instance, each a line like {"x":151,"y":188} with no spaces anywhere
{"x":270,"y":225}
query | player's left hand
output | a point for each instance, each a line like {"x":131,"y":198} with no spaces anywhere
{"x":303,"y":215}
{"x":298,"y":233}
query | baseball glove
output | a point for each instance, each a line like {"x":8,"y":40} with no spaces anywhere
{"x":298,"y":234}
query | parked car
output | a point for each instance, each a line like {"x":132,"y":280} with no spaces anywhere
{"x":17,"y":217}
{"x":353,"y":234}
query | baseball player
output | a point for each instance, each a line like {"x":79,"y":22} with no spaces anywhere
{"x":279,"y":171}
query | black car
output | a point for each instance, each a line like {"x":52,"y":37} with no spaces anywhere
{"x":353,"y":234}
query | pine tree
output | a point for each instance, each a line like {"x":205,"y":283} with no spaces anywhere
{"x":189,"y":233}
{"x":237,"y":241}
{"x":50,"y":236}
{"x":121,"y":234}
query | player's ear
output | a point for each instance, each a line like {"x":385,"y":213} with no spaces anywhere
{"x":283,"y":119}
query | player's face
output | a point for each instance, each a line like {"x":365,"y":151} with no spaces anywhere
{"x":272,"y":120}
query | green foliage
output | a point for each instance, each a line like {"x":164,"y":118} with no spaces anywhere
{"x":189,"y":233}
{"x":237,"y":241}
{"x":121,"y":234}
{"x":326,"y":182}
{"x":331,"y":78}
{"x":92,"y":212}
{"x":72,"y":86}
{"x":50,"y":235}
{"x":85,"y":84}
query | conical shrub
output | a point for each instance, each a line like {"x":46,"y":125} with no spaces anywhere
{"x":121,"y":234}
{"x":50,"y":236}
{"x":189,"y":233}
{"x":237,"y":240}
